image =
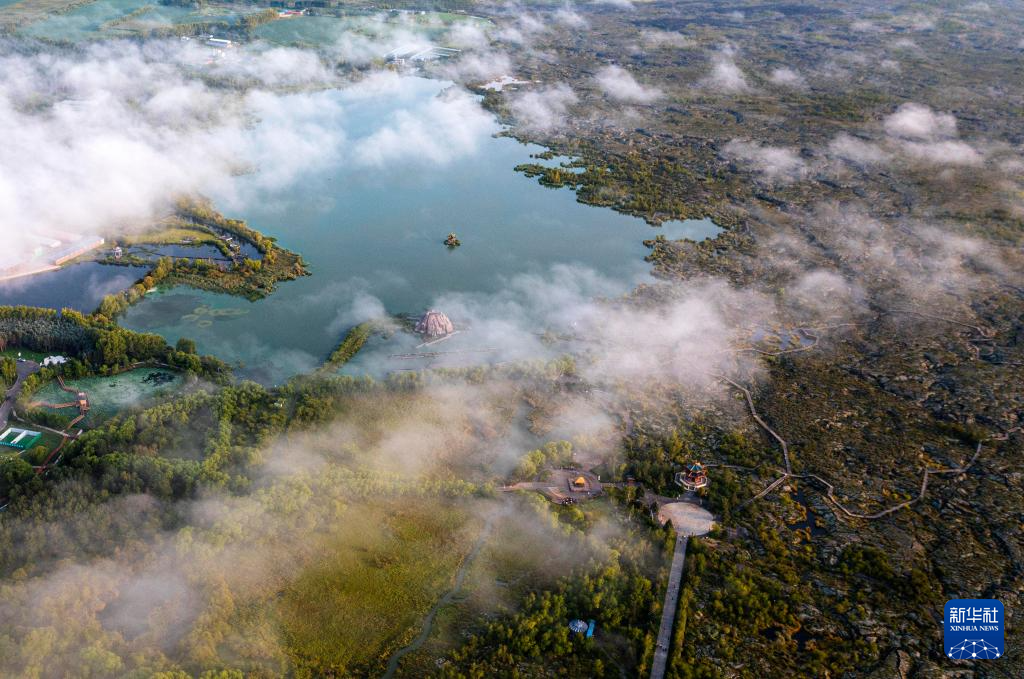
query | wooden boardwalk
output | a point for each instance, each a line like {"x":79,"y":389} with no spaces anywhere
{"x":668,"y":610}
{"x":688,"y":519}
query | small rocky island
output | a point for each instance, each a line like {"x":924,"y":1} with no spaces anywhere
{"x":452,"y":240}
{"x":434,"y":325}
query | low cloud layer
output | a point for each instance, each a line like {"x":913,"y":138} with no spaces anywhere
{"x":108,"y":136}
{"x":787,"y":77}
{"x":655,"y":38}
{"x":916,"y":133}
{"x":621,"y":85}
{"x":725,"y":75}
{"x":544,"y":109}
{"x":918,"y":122}
{"x":774,"y":163}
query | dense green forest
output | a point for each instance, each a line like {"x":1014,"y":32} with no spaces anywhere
{"x":96,"y":345}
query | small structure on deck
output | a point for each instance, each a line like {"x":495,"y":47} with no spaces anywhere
{"x":434,"y":325}
{"x":579,"y":484}
{"x":578,"y":627}
{"x":694,"y":478}
{"x":452,"y":240}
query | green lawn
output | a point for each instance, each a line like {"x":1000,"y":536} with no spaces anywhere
{"x":12,"y":352}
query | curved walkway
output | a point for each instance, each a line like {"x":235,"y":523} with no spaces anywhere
{"x":829,"y":488}
{"x":428,"y":622}
{"x":24,"y":369}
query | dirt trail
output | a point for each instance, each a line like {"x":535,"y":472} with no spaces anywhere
{"x":428,"y":622}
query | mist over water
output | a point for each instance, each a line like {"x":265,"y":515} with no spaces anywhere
{"x":371,"y":226}
{"x":79,"y":286}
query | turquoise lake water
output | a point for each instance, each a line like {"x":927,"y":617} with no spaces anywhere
{"x":94,"y":20}
{"x":379,"y":233}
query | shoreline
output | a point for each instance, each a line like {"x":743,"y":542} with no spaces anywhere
{"x":70,"y":252}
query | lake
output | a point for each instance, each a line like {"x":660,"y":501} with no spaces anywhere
{"x":78,"y":286}
{"x":379,"y":233}
{"x":375,"y":233}
{"x":113,"y":18}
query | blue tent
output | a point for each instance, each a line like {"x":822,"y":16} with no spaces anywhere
{"x":577,"y":627}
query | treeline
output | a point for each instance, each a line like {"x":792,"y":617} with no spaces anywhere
{"x":553,"y":454}
{"x":200,"y":441}
{"x":114,"y":304}
{"x":257,"y":19}
{"x":350,"y":345}
{"x":654,"y":459}
{"x":96,"y":346}
{"x":46,"y":330}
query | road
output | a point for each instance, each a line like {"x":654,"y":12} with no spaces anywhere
{"x":687,"y":519}
{"x":24,"y":368}
{"x":668,"y":610}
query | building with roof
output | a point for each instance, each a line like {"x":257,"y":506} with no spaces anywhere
{"x":21,"y":439}
{"x":580,"y":484}
{"x":694,"y":478}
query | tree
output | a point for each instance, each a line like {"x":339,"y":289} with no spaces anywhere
{"x":113,"y":347}
{"x":14,"y":473}
{"x":186,"y":346}
{"x":8,"y":370}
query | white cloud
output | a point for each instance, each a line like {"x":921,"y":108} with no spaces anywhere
{"x":948,"y":152}
{"x":656,"y":38}
{"x":477,"y":66}
{"x":443,"y":129}
{"x":109,"y":135}
{"x":522,"y":30}
{"x":468,"y":35}
{"x":916,"y":121}
{"x":568,"y":16}
{"x":788,"y":77}
{"x":856,"y":150}
{"x":864,"y":26}
{"x":775,"y":163}
{"x":925,"y":135}
{"x":725,"y":75}
{"x":543,"y":109}
{"x":619,"y":84}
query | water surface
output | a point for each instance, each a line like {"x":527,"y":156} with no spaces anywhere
{"x":78,"y":286}
{"x":377,"y":233}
